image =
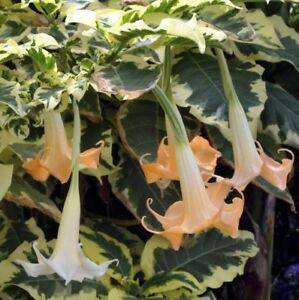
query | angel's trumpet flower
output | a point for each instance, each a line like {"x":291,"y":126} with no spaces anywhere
{"x":249,"y":161}
{"x":55,"y":158}
{"x":165,"y":165}
{"x":200,"y":207}
{"x":68,"y":259}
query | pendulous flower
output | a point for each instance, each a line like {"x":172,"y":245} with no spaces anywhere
{"x":55,"y":158}
{"x":251,"y":161}
{"x":67,"y":259}
{"x":165,"y":165}
{"x":200,"y":207}
{"x":248,"y":163}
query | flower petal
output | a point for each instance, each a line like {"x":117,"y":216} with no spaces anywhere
{"x":174,"y":215}
{"x":36,"y":169}
{"x":274,"y":172}
{"x":164,"y":167}
{"x":66,"y":267}
{"x":228,"y":218}
{"x":90,"y":158}
{"x":206,"y":156}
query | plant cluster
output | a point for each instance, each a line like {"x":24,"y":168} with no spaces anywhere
{"x":155,"y":113}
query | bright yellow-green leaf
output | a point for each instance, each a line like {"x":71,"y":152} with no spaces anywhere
{"x":6,"y":176}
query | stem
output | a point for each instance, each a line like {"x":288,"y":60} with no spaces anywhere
{"x":76,"y":136}
{"x":228,"y":86}
{"x":166,"y":73}
{"x":268,"y":230}
{"x":173,"y":114}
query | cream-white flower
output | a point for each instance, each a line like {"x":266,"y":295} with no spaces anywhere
{"x":248,"y":163}
{"x":67,"y":259}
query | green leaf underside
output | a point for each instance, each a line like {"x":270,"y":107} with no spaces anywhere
{"x":210,"y":257}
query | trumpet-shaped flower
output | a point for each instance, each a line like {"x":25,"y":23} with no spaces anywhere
{"x":165,"y":166}
{"x":200,"y":207}
{"x":251,"y":161}
{"x":248,"y":163}
{"x":55,"y":158}
{"x":67,"y":259}
{"x":274,"y":172}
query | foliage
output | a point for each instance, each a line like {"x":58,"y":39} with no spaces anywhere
{"x":109,"y":56}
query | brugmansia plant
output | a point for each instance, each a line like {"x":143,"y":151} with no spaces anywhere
{"x":166,"y":128}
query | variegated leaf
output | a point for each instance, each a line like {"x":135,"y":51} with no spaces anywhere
{"x":280,"y":118}
{"x":130,"y":186}
{"x":13,"y":233}
{"x":9,"y":96}
{"x":132,"y":241}
{"x":22,"y":193}
{"x":172,"y":284}
{"x":6,"y":175}
{"x":198,"y":85}
{"x":191,"y":29}
{"x":210,"y":257}
{"x":13,"y":292}
{"x":127,"y":80}
{"x":43,"y":60}
{"x":14,"y":29}
{"x":288,"y":37}
{"x":136,"y":118}
{"x":45,"y":287}
{"x":101,"y":247}
{"x":230,"y":20}
{"x":49,"y":97}
{"x":123,"y":295}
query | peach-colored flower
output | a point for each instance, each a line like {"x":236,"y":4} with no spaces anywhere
{"x":55,"y":158}
{"x":200,"y":207}
{"x":165,"y":165}
{"x":274,"y":172}
{"x":251,"y":161}
{"x":248,"y":163}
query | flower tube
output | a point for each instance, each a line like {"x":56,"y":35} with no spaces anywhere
{"x":55,"y":158}
{"x":68,"y":259}
{"x":200,"y":207}
{"x":248,"y":163}
{"x":249,"y":160}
